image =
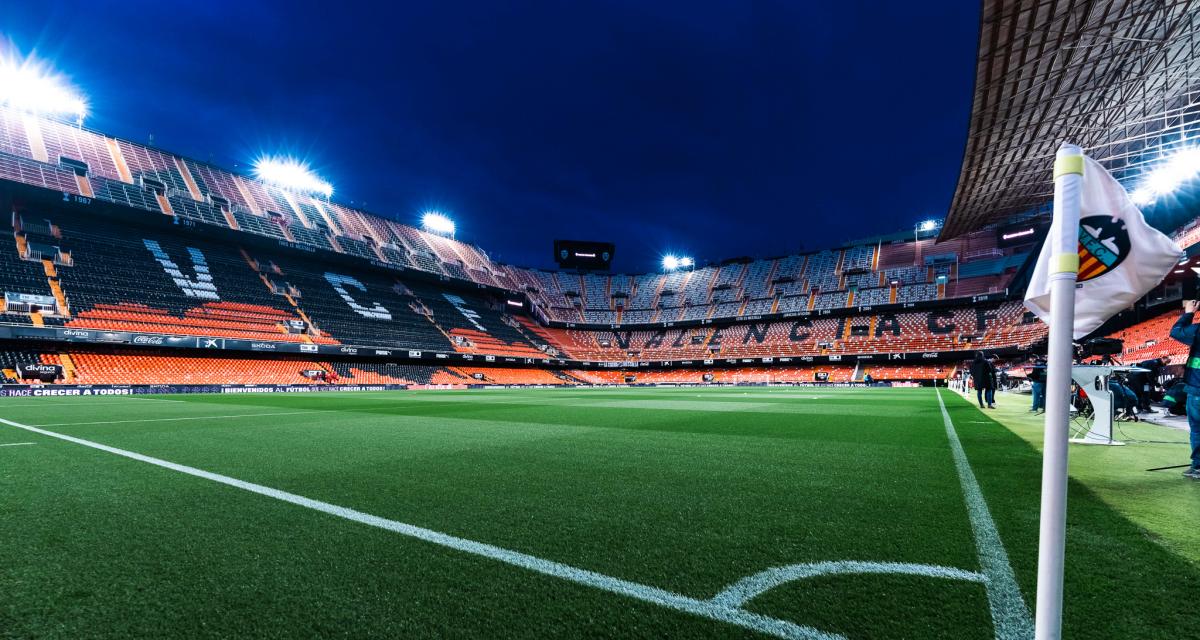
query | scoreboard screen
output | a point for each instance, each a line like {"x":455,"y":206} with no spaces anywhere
{"x":584,"y":254}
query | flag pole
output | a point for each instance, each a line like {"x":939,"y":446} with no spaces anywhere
{"x":1064,"y":266}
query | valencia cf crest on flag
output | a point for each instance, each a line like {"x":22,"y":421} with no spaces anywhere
{"x":1103,"y":244}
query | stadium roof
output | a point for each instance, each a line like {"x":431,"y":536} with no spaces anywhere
{"x":1121,"y":78}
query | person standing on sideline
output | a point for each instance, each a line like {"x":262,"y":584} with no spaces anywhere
{"x":991,"y":393}
{"x":983,"y":376}
{"x":1037,"y":375}
{"x":1186,"y":332}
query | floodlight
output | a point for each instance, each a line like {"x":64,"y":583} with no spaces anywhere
{"x":686,"y":262}
{"x":670,"y":263}
{"x":291,"y":174}
{"x":929,"y":225}
{"x":30,"y":85}
{"x":437,"y":223}
{"x":1178,"y":168}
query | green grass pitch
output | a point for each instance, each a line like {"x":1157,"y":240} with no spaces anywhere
{"x":631,"y":513}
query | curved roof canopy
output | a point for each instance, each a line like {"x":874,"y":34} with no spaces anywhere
{"x":1121,"y":78}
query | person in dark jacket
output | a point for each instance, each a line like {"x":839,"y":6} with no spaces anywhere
{"x":983,"y":377}
{"x":1186,"y":332}
{"x":1143,"y":384}
{"x":1037,"y":376}
{"x":990,"y":396}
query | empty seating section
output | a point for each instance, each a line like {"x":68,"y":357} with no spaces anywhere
{"x":760,"y":307}
{"x":159,"y":284}
{"x":646,"y":291}
{"x":790,"y":304}
{"x":916,"y":293}
{"x":13,"y":140}
{"x":200,"y":211}
{"x":392,"y":373}
{"x":638,"y":316}
{"x":1152,"y":339}
{"x":909,"y":372}
{"x":502,"y":375}
{"x":262,"y":225}
{"x":489,"y":330}
{"x":621,"y":289}
{"x":129,"y":195}
{"x":906,"y":275}
{"x":62,"y":140}
{"x":1004,"y":325}
{"x":695,"y":292}
{"x":161,"y":367}
{"x":858,"y":259}
{"x":359,"y":307}
{"x":356,"y":247}
{"x":820,"y":271}
{"x":315,"y":238}
{"x":868,"y":297}
{"x":595,"y":316}
{"x":214,"y":182}
{"x":895,"y":255}
{"x":967,"y":287}
{"x":396,"y":255}
{"x":423,"y":256}
{"x":17,"y":275}
{"x":832,"y":300}
{"x":595,"y":292}
{"x":549,"y":289}
{"x":144,"y":162}
{"x":11,"y":358}
{"x":836,"y":373}
{"x":756,"y":281}
{"x":726,"y":309}
{"x":148,"y":367}
{"x":861,"y":280}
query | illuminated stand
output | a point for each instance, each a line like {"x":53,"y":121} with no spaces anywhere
{"x":1093,"y":379}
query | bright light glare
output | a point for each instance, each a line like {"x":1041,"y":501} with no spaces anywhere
{"x":438,"y":223}
{"x":30,"y":85}
{"x":291,"y":174}
{"x":686,"y":262}
{"x":1180,"y":167}
{"x":670,"y":263}
{"x":929,"y":225}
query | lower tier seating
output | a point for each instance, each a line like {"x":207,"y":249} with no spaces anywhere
{"x":1152,"y":339}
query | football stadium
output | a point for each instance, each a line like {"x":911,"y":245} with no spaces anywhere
{"x":235,"y":404}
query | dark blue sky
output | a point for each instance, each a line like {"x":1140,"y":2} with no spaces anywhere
{"x":715,"y":129}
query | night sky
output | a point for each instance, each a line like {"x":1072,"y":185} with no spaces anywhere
{"x":712,"y":129}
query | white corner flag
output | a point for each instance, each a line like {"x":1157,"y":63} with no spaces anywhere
{"x":1121,"y":258}
{"x":1099,"y":257}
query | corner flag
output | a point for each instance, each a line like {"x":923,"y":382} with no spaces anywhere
{"x":1121,"y":258}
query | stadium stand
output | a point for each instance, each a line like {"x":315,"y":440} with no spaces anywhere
{"x":1000,"y":325}
{"x":297,"y":270}
{"x":73,"y":160}
{"x":1151,"y":339}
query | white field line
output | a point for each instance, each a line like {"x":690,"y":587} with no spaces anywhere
{"x":753,"y":586}
{"x":1010,"y":616}
{"x":17,"y":444}
{"x":704,"y":608}
{"x":239,"y":415}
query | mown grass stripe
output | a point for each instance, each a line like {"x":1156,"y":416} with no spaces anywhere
{"x":1010,"y":616}
{"x":704,"y":608}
